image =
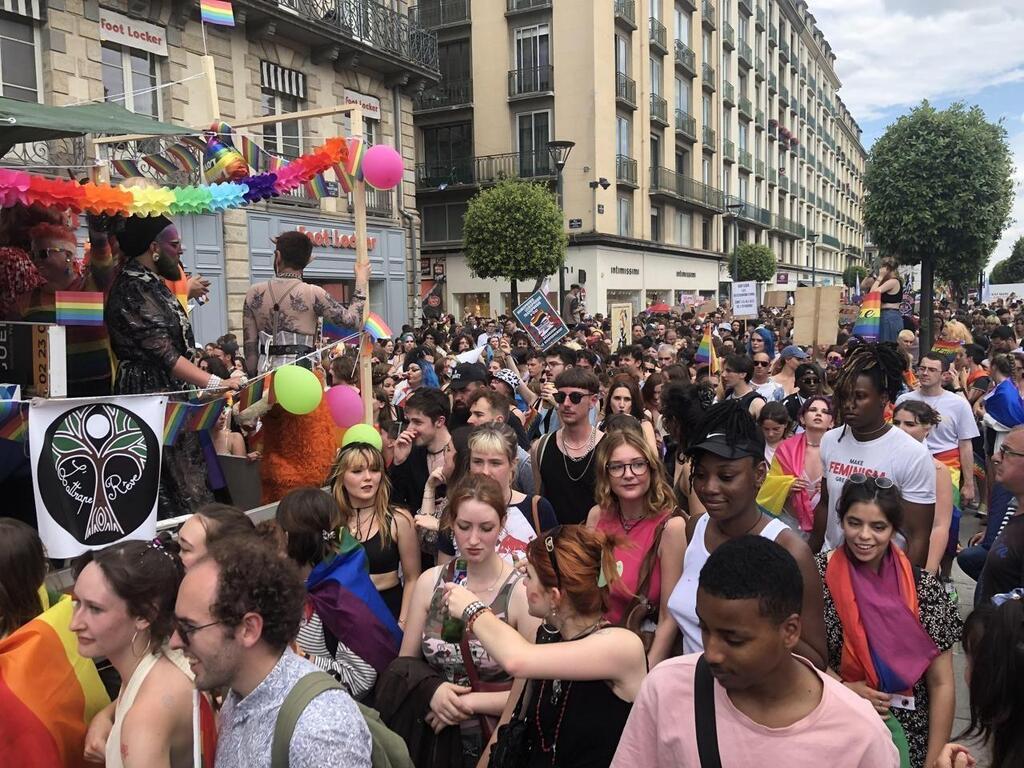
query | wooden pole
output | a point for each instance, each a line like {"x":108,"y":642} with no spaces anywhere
{"x":362,"y":257}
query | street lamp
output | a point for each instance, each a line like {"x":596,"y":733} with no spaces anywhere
{"x":559,"y":152}
{"x":734,"y":266}
{"x":813,"y":238}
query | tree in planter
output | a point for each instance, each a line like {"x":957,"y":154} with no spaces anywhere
{"x":754,"y":262}
{"x":1010,"y":269}
{"x":514,"y":230}
{"x":853,"y":275}
{"x":939,"y":191}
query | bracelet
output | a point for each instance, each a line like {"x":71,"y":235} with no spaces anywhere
{"x":214,"y":382}
{"x":472,"y":609}
{"x":476,"y":615}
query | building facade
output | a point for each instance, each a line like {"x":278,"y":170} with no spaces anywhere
{"x":695,"y":124}
{"x":281,"y":57}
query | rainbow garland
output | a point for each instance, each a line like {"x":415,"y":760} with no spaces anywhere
{"x":66,"y":194}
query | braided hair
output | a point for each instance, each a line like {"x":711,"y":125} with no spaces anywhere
{"x":882,"y":363}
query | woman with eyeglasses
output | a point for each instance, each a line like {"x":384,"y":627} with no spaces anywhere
{"x":890,"y":626}
{"x":575,"y":687}
{"x":636,"y":507}
{"x":624,"y":397}
{"x":125,"y":613}
{"x":726,"y":451}
{"x":470,"y":696}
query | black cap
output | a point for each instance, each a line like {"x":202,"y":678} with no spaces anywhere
{"x":139,"y":232}
{"x":718,"y":444}
{"x":465,"y":373}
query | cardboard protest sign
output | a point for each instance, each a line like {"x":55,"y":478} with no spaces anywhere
{"x":541,"y":320}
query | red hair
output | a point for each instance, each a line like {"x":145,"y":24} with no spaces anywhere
{"x":581,"y":554}
{"x":44,"y":230}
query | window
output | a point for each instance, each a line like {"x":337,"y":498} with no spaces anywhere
{"x":682,"y":24}
{"x":533,"y":134}
{"x":683,"y":163}
{"x":371,"y":131}
{"x":743,"y":137}
{"x":655,"y":224}
{"x":131,"y":78}
{"x":683,"y":95}
{"x":705,"y":234}
{"x":532,"y":47}
{"x":443,"y":223}
{"x":655,"y":150}
{"x":453,"y":59}
{"x":705,"y":171}
{"x":18,"y":65}
{"x":657,"y":76}
{"x":705,"y":110}
{"x":656,"y":9}
{"x":622,"y":55}
{"x":448,"y":151}
{"x":625,"y":212}
{"x":684,"y":226}
{"x":744,"y":188}
{"x":705,"y":48}
{"x":284,"y":138}
{"x":622,"y":136}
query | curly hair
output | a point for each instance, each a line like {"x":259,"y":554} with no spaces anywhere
{"x":659,"y":496}
{"x":253,"y":578}
{"x":882,"y":363}
{"x":682,"y":406}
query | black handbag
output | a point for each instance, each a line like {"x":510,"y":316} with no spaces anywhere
{"x":512,"y":746}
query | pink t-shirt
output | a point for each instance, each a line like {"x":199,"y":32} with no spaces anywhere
{"x":843,"y":731}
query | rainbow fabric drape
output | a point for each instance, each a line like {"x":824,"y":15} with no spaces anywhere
{"x":869,"y":322}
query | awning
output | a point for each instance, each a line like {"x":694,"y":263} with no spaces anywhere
{"x":24,"y":121}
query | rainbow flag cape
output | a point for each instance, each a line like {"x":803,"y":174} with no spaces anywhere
{"x":376,"y":327}
{"x":79,"y":307}
{"x":946,"y":349}
{"x":217,"y":12}
{"x":48,"y":692}
{"x":706,"y":354}
{"x":175,"y":418}
{"x":787,"y":466}
{"x":350,"y":606}
{"x":13,"y":420}
{"x":869,"y":322}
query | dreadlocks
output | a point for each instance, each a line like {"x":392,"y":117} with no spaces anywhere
{"x":882,"y":363}
{"x":731,"y":418}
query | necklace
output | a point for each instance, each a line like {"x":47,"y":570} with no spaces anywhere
{"x":752,"y":527}
{"x":584,"y":444}
{"x":501,"y":572}
{"x":442,"y":450}
{"x":629,"y":523}
{"x":869,"y":436}
{"x":557,"y":698}
{"x":289,"y":275}
{"x":589,"y":456}
{"x":359,"y":524}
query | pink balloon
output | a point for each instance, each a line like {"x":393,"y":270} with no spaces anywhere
{"x":382,"y":167}
{"x":345,"y":405}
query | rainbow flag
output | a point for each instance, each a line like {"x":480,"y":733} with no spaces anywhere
{"x":316,"y":187}
{"x":174,"y":421}
{"x":275,"y":163}
{"x":79,"y":307}
{"x":354,"y":161}
{"x":126,"y":168}
{"x":217,"y":12}
{"x":250,"y":151}
{"x":376,"y":327}
{"x":48,"y":692}
{"x":254,"y":392}
{"x":344,"y":180}
{"x":198,"y":143}
{"x":13,"y":420}
{"x":160,"y":164}
{"x":184,"y":159}
{"x":706,"y":354}
{"x":869,"y":323}
{"x":335,"y":331}
{"x":204,"y":417}
{"x":946,"y":349}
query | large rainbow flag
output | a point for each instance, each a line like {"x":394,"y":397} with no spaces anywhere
{"x":869,"y":322}
{"x":706,"y":354}
{"x":48,"y":693}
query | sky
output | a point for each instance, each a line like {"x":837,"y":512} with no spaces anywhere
{"x":891,"y":54}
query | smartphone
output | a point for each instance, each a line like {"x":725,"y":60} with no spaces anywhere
{"x":395,"y":429}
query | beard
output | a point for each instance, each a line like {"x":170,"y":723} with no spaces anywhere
{"x":167,"y":267}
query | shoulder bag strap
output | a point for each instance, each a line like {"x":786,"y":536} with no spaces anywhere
{"x":536,"y":515}
{"x":295,"y":703}
{"x":704,"y":716}
{"x":467,"y":662}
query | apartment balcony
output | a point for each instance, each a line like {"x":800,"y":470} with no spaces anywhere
{"x":788,"y":227}
{"x":783,"y":182}
{"x":521,"y":6}
{"x":745,"y":160}
{"x":441,"y":13}
{"x":625,"y":91}
{"x":773,"y":83}
{"x":773,"y":34}
{"x":803,"y":112}
{"x":690,"y":6}
{"x":759,"y":169}
{"x":448,"y":94}
{"x":728,"y":36}
{"x":784,"y":51}
{"x":668,"y":183}
{"x":659,"y":36}
{"x":831,"y":241}
{"x":728,"y":94}
{"x":686,"y":126}
{"x":748,"y":212}
{"x":707,"y":14}
{"x":707,"y":76}
{"x":531,"y":81}
{"x":812,"y":123}
{"x":685,"y":58}
{"x":803,"y":153}
{"x":659,"y":110}
{"x":746,"y":55}
{"x":483,"y":170}
{"x":759,"y":18}
{"x":746,"y":108}
{"x":625,"y":13}
{"x":783,"y":95}
{"x":773,"y":177}
{"x":794,"y":106}
{"x":728,"y":151}
{"x":759,"y":69}
{"x":745,"y":7}
{"x":708,"y":138}
{"x":759,"y":118}
{"x":625,"y":171}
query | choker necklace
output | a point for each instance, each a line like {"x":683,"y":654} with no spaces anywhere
{"x":746,"y":532}
{"x":443,"y":449}
{"x":629,"y":523}
{"x":289,"y":275}
{"x":868,"y":436}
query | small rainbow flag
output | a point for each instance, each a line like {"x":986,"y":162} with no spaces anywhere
{"x":217,"y":12}
{"x":79,"y":307}
{"x":204,"y":417}
{"x":160,"y":164}
{"x":275,"y":163}
{"x":250,"y":151}
{"x":126,"y":168}
{"x":254,"y":392}
{"x":198,"y":143}
{"x":174,"y":421}
{"x":376,"y":327}
{"x":344,"y":180}
{"x":316,"y":187}
{"x":869,"y":323}
{"x":352,"y":163}
{"x":13,"y":420}
{"x":335,"y":331}
{"x":184,"y":159}
{"x":706,"y":354}
{"x":946,"y":349}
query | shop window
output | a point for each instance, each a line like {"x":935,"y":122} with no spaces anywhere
{"x":19,"y":63}
{"x":478,"y":304}
{"x":131,"y":78}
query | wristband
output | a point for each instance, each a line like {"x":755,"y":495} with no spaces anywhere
{"x":214,"y":382}
{"x":470,"y":610}
{"x":480,"y":611}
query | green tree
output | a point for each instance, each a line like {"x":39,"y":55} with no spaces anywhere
{"x":939,"y":190}
{"x":1010,"y":269}
{"x":852,"y":275}
{"x":514,"y":230}
{"x":754,"y":262}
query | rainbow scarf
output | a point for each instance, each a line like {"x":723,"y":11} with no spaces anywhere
{"x":48,"y":692}
{"x":787,"y":466}
{"x":869,"y":322}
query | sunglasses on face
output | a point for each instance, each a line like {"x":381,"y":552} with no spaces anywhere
{"x":574,"y":397}
{"x":881,"y":483}
{"x":44,"y":253}
{"x":762,"y":363}
{"x":185,"y":630}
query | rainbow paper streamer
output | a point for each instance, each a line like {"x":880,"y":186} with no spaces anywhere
{"x":254,"y":392}
{"x":217,"y":12}
{"x":946,"y":349}
{"x":174,"y":421}
{"x":869,"y":322}
{"x":79,"y":307}
{"x":160,"y":164}
{"x":184,"y":159}
{"x":205,"y":417}
{"x":376,"y":327}
{"x":13,"y":420}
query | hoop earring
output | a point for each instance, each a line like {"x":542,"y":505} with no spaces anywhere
{"x":547,"y":626}
{"x":135,"y":635}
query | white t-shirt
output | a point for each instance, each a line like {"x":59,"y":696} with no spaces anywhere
{"x":895,"y":455}
{"x":770,"y":391}
{"x":957,"y":419}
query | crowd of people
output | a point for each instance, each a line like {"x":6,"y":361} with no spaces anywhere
{"x":594,"y":554}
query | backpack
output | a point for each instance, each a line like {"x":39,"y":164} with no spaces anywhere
{"x":388,"y":748}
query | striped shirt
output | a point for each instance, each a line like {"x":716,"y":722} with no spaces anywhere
{"x":350,"y":670}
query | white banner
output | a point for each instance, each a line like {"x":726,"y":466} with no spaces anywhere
{"x":95,"y":470}
{"x":744,"y":300}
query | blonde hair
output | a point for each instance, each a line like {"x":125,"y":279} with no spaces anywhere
{"x":494,"y":439}
{"x":659,"y":496}
{"x":353,"y":458}
{"x":957,"y":331}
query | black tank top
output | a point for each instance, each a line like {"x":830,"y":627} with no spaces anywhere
{"x":379,"y":558}
{"x":893,"y":298}
{"x":571,"y":499}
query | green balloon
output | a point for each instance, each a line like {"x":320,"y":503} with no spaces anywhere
{"x":362,"y":433}
{"x":297,"y":389}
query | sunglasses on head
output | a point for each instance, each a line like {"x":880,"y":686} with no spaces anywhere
{"x":881,"y":483}
{"x":574,"y":397}
{"x":549,"y":545}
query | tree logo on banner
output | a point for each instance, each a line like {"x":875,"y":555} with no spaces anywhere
{"x":102,"y":470}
